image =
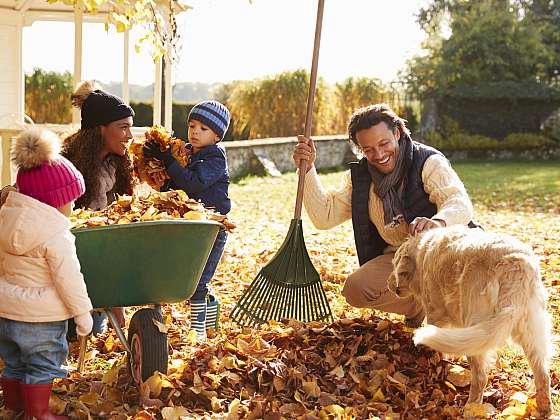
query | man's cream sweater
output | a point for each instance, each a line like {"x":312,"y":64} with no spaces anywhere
{"x":329,"y":208}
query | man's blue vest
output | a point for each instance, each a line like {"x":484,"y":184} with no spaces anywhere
{"x":369,"y":242}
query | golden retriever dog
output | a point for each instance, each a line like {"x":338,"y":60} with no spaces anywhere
{"x":478,"y":289}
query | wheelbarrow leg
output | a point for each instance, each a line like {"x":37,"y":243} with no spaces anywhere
{"x":115,"y":323}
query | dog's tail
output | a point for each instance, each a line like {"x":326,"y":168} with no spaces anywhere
{"x":473,"y":340}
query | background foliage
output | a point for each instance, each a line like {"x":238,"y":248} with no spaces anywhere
{"x":491,"y":65}
{"x":47,"y":96}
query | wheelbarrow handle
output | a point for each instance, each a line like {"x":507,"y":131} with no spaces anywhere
{"x":82,"y":354}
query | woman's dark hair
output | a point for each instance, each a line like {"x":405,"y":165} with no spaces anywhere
{"x":366,"y":117}
{"x":82,"y":149}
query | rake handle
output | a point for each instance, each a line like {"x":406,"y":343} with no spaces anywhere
{"x":310,"y":100}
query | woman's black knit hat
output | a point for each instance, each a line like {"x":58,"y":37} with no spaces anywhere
{"x":102,"y":108}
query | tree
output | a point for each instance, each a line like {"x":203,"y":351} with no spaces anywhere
{"x":276,"y":106}
{"x":545,"y":14}
{"x":490,"y":41}
{"x":156,"y":17}
{"x":47,"y":96}
{"x":352,"y":94}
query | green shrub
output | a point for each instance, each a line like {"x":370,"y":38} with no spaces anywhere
{"x":525,"y":141}
{"x":465,"y":141}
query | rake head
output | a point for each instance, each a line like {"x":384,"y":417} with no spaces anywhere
{"x":289,"y":286}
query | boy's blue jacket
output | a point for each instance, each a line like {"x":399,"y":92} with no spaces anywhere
{"x":205,"y":178}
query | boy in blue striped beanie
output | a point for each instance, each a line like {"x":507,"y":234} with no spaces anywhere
{"x":205,"y":178}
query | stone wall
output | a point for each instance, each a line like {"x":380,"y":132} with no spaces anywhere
{"x":274,"y":155}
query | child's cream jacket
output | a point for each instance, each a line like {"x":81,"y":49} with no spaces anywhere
{"x":40,"y":278}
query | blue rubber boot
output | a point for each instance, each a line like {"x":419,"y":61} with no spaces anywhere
{"x":198,"y":318}
{"x":212,"y":313}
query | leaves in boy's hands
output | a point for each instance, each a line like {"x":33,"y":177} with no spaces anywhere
{"x":150,"y":170}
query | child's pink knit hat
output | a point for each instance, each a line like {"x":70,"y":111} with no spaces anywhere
{"x":42,"y":172}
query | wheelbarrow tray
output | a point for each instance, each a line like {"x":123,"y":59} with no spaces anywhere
{"x":144,"y":263}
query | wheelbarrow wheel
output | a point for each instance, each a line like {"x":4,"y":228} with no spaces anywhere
{"x":148,"y":346}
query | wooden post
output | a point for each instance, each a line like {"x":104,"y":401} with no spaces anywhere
{"x":78,"y":21}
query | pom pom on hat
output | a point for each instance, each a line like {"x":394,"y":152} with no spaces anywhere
{"x":35,"y":146}
{"x":42,"y":172}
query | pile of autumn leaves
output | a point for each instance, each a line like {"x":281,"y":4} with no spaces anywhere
{"x":353,"y":368}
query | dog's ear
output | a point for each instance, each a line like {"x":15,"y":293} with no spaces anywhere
{"x":404,"y":269}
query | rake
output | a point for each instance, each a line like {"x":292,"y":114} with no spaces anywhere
{"x":289,"y":286}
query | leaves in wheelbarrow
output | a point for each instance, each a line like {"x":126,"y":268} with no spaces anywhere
{"x":156,"y":206}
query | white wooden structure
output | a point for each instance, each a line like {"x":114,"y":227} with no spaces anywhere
{"x":14,"y":16}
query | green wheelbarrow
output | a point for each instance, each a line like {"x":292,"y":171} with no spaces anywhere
{"x":145,"y":263}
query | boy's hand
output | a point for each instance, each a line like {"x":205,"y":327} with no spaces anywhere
{"x":152,"y":150}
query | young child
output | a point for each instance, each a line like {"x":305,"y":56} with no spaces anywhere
{"x":41,"y":285}
{"x":205,"y":178}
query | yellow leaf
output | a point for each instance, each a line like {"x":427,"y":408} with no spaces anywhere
{"x":478,"y":410}
{"x":459,"y":376}
{"x":216,"y":405}
{"x":155,"y":383}
{"x":337,"y":371}
{"x":450,"y":385}
{"x":279,"y":383}
{"x":514,"y":411}
{"x":56,"y":405}
{"x":89,"y":399}
{"x":519,"y":397}
{"x":174,"y":413}
{"x":311,"y":388}
{"x":378,"y":396}
{"x":193,"y":215}
{"x":298,"y":397}
{"x":233,"y":410}
{"x":230,"y":362}
{"x":111,"y":376}
{"x":160,"y":326}
{"x":335,"y":409}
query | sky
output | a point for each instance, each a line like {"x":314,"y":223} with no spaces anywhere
{"x":225,"y":40}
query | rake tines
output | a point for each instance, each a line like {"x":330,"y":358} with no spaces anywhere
{"x":289,"y":286}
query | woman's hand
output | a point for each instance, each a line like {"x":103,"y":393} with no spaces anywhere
{"x":421,"y":224}
{"x":304,"y":150}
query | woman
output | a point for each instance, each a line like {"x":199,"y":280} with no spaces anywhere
{"x":99,"y":151}
{"x":99,"y":148}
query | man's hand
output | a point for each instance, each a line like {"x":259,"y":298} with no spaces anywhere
{"x":304,"y":150}
{"x":421,"y":224}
